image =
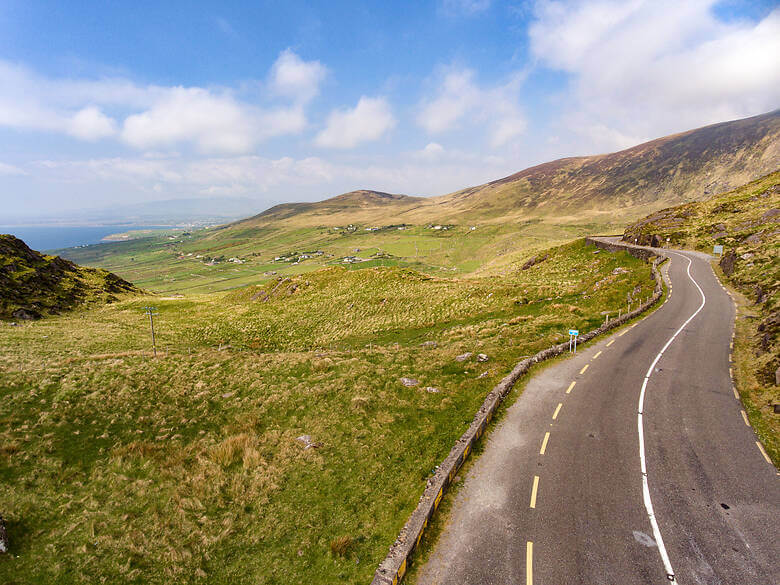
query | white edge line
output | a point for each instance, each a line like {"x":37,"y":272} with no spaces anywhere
{"x":640,"y":429}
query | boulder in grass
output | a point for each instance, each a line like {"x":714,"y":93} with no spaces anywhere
{"x":481,"y":357}
{"x":409,"y":382}
{"x":3,"y":537}
{"x":463,"y":357}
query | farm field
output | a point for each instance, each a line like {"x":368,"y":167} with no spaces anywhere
{"x":272,"y":439}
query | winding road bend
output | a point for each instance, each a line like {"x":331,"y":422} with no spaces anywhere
{"x":630,"y":463}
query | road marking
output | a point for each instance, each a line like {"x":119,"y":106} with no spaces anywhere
{"x":557,"y":410}
{"x":585,"y":367}
{"x":634,"y":325}
{"x":761,"y":448}
{"x":736,"y":394}
{"x":731,"y":345}
{"x":544,"y":443}
{"x":569,"y":389}
{"x":624,"y":332}
{"x":610,"y":342}
{"x":640,"y":430}
{"x":731,"y":374}
{"x":534,"y":489}
{"x":529,"y":563}
{"x":595,"y":356}
{"x":744,"y":417}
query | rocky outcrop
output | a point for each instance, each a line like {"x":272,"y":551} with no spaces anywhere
{"x":33,"y":285}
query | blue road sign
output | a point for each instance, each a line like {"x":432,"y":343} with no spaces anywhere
{"x":574,"y":332}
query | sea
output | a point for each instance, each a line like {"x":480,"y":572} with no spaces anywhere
{"x":54,"y":237}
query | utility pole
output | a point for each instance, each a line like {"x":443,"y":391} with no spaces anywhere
{"x":151,"y":311}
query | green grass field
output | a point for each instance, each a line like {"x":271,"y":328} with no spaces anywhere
{"x":116,"y":466}
{"x":179,"y":264}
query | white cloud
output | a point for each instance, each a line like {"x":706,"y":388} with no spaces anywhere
{"x":6,"y":169}
{"x":432,"y":151}
{"x":459,"y":101}
{"x":270,"y":180}
{"x":367,"y":121}
{"x":213,"y":120}
{"x":91,"y":124}
{"x":646,"y":68}
{"x":296,"y":79}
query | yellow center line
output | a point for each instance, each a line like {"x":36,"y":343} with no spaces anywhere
{"x":611,"y":342}
{"x":529,"y":563}
{"x":534,"y":489}
{"x":569,"y":389}
{"x":544,"y":443}
{"x":744,"y":417}
{"x":557,"y":410}
{"x":761,"y":448}
{"x":585,"y":367}
{"x":595,"y":356}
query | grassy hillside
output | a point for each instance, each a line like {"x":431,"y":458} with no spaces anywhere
{"x":33,"y":285}
{"x":194,"y":467}
{"x":746,"y":222}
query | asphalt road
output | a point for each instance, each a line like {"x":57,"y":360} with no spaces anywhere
{"x":558,"y":497}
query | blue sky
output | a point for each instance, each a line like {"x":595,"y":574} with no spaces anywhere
{"x":103,"y":103}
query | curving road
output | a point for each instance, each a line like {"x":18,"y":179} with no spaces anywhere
{"x":631,"y":463}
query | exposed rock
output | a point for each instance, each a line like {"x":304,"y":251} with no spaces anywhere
{"x":655,"y":241}
{"x":4,"y":536}
{"x":409,"y":382}
{"x":777,"y":376}
{"x":307,"y":443}
{"x":727,"y":262}
{"x":463,"y":357}
{"x":771,"y":213}
{"x":26,"y":314}
{"x":483,"y":375}
{"x":753,"y":239}
{"x":432,"y":389}
{"x":259,"y":296}
{"x":481,"y":357}
{"x":761,"y":295}
{"x":619,"y":270}
{"x":534,"y":261}
{"x":719,"y":235}
{"x":429,"y":344}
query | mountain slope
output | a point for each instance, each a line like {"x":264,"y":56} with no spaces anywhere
{"x":610,"y":188}
{"x":674,"y":169}
{"x":33,"y":285}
